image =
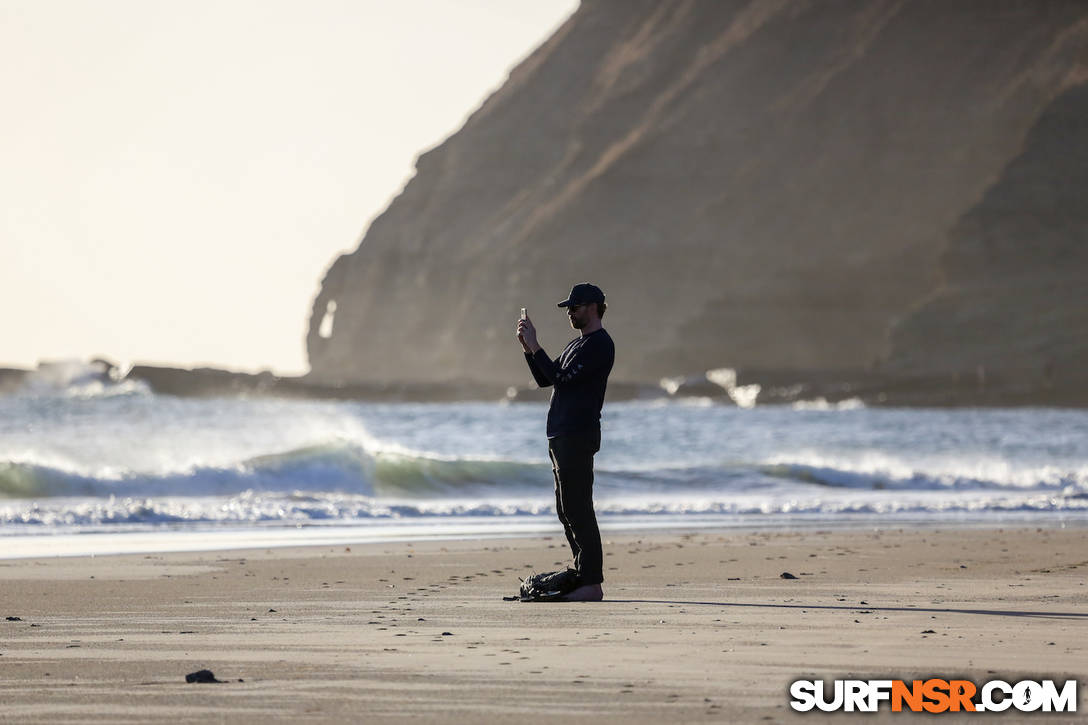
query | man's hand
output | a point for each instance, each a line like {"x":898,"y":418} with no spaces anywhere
{"x":527,"y":335}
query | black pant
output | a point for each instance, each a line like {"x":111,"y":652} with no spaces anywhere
{"x":572,"y":464}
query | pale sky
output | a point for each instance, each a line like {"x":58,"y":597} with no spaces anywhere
{"x":176,"y":176}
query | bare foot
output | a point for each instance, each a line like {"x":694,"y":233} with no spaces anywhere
{"x":585,"y":593}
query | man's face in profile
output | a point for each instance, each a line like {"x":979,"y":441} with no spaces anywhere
{"x":578,"y":315}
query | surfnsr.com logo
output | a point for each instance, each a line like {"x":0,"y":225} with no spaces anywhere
{"x":934,"y":695}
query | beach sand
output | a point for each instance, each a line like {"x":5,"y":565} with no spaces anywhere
{"x":695,"y":627}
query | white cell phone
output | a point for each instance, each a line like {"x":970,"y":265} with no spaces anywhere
{"x":523,"y":315}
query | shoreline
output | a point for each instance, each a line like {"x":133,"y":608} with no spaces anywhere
{"x":696,"y":626}
{"x":173,"y":539}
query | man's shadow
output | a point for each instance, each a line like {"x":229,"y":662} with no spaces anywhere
{"x":862,"y":607}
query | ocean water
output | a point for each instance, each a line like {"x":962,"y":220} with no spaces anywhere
{"x":84,"y":458}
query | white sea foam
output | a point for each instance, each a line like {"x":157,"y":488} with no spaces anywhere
{"x":303,"y":508}
{"x":744,"y":396}
{"x":823,"y":404}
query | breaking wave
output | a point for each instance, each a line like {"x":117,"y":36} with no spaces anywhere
{"x":80,"y":380}
{"x":85,"y":452}
{"x":334,"y":467}
{"x":391,"y":473}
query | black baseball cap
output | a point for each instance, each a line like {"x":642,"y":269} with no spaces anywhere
{"x":583,"y":293}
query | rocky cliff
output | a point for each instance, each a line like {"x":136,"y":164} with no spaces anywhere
{"x":771,"y":184}
{"x":1012,"y":309}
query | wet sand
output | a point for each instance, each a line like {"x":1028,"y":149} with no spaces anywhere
{"x":695,"y":627}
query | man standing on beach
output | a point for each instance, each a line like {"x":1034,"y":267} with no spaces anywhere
{"x":579,"y":377}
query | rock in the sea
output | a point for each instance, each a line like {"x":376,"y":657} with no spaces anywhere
{"x":12,"y":379}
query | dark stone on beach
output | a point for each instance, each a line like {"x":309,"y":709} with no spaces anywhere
{"x":786,"y":575}
{"x":201,"y":676}
{"x":447,"y":634}
{"x":14,"y":619}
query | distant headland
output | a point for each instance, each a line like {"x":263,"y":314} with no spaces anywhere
{"x":812,"y":389}
{"x":885,"y":196}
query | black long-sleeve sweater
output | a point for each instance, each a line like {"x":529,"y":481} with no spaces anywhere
{"x":579,"y":376}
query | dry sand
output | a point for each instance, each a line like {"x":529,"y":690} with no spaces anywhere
{"x":696,"y":627}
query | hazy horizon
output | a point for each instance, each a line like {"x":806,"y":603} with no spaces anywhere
{"x":178,"y":178}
